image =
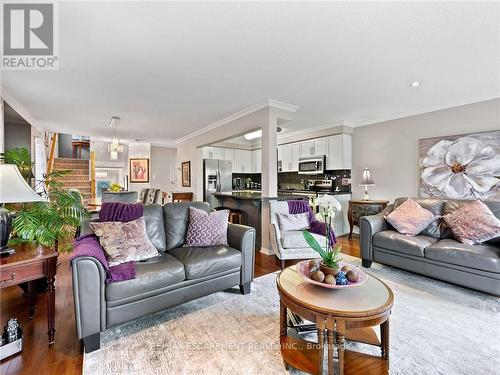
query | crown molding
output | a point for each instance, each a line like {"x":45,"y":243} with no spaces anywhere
{"x":376,"y":119}
{"x":235,"y":116}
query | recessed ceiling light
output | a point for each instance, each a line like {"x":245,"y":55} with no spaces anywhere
{"x":415,"y":84}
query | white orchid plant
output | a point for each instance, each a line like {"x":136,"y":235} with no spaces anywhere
{"x":327,"y":205}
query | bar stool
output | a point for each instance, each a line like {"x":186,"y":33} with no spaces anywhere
{"x":235,"y":215}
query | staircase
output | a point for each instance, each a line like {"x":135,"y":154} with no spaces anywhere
{"x":79,"y":176}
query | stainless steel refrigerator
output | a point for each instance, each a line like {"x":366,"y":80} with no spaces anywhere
{"x":217,"y":177}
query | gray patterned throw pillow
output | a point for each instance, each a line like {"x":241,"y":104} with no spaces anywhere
{"x":124,"y":242}
{"x":207,"y":229}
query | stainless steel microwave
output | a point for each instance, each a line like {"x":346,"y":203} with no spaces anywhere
{"x":312,"y":165}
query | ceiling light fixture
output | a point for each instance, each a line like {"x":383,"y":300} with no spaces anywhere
{"x":258,"y":134}
{"x":114,"y":147}
{"x":415,"y":84}
{"x":253,"y":135}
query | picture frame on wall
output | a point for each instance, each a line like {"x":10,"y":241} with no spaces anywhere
{"x":139,"y":170}
{"x":186,"y":173}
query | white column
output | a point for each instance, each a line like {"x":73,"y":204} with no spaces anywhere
{"x":269,"y":167}
{"x":269,"y":162}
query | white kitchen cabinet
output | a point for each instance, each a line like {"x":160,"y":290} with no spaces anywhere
{"x":229,"y":154}
{"x":213,"y":153}
{"x":339,"y":152}
{"x":313,"y":147}
{"x":295,"y":155}
{"x":256,"y":161}
{"x":242,"y":161}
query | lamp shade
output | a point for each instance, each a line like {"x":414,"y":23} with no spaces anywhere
{"x":366,"y":178}
{"x":14,"y":188}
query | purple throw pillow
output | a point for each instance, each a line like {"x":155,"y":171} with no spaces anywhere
{"x":207,"y":229}
{"x":473,"y":223}
{"x":410,"y":218}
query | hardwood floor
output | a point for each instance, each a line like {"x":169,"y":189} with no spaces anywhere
{"x":66,"y":355}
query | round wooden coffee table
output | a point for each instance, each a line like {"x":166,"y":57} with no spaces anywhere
{"x":344,"y":314}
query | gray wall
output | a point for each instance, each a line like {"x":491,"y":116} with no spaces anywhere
{"x":163,"y":164}
{"x":17,"y":135}
{"x":390,"y":149}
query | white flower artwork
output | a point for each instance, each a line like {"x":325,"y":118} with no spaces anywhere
{"x":461,"y":167}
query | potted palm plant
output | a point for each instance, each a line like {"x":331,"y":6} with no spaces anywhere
{"x":52,"y":223}
{"x":330,"y":254}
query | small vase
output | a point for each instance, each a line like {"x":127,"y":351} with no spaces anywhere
{"x":329,"y":270}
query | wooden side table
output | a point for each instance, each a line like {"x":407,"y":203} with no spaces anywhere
{"x":358,"y":208}
{"x":349,"y":314}
{"x":32,"y":262}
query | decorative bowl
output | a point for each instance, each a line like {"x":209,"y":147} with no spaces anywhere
{"x":304,"y":271}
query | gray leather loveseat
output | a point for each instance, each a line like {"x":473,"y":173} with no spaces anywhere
{"x":180,"y":274}
{"x":434,"y":252}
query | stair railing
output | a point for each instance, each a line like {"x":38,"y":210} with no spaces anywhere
{"x":92,"y":174}
{"x":50,"y":162}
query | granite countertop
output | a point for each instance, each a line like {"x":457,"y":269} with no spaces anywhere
{"x":256,"y":196}
{"x":312,"y":191}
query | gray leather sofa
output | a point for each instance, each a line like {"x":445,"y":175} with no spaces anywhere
{"x":434,"y":252}
{"x":180,"y":274}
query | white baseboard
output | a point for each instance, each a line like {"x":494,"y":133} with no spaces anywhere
{"x":263,"y":250}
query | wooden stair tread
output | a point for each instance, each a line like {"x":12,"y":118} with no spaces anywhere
{"x":356,"y":363}
{"x":365,"y":335}
{"x":300,"y":354}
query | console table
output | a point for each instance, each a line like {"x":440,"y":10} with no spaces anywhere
{"x":32,"y":262}
{"x":358,"y":208}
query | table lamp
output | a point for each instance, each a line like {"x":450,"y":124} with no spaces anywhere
{"x":366,"y":180}
{"x":13,"y":189}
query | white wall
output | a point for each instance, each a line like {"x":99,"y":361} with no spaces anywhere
{"x":163,"y":168}
{"x":390,"y":149}
{"x":2,"y":138}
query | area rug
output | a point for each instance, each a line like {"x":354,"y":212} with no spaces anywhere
{"x":436,"y":328}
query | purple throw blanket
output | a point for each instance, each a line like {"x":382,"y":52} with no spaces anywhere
{"x":315,"y":226}
{"x":89,"y":245}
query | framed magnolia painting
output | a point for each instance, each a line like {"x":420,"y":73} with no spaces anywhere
{"x":139,"y":170}
{"x":461,"y":166}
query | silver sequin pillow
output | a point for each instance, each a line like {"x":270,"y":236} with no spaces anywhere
{"x":410,"y":218}
{"x":293,"y":221}
{"x":473,"y":223}
{"x":124,"y":242}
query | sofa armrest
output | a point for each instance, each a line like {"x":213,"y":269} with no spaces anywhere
{"x":89,"y":283}
{"x":275,"y":233}
{"x":242,"y":238}
{"x":368,"y":226}
{"x":85,"y":227}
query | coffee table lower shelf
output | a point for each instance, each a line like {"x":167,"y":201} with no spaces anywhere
{"x":301,"y":354}
{"x":357,"y":363}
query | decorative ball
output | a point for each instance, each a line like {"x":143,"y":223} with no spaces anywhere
{"x":330,"y":279}
{"x":313,"y":263}
{"x":341,"y":278}
{"x":352,"y":276}
{"x":318,"y":276}
{"x":346,"y":268}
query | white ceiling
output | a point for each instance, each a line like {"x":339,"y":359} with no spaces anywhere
{"x":168,"y":69}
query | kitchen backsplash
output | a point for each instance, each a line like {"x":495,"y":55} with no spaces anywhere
{"x":255,"y":178}
{"x":293,"y":180}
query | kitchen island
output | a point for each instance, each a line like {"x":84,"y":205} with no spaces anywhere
{"x":250,"y":205}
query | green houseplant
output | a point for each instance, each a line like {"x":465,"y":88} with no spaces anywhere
{"x":51,"y":223}
{"x":330,"y":254}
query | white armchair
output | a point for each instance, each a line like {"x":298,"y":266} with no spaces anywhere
{"x":289,"y":244}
